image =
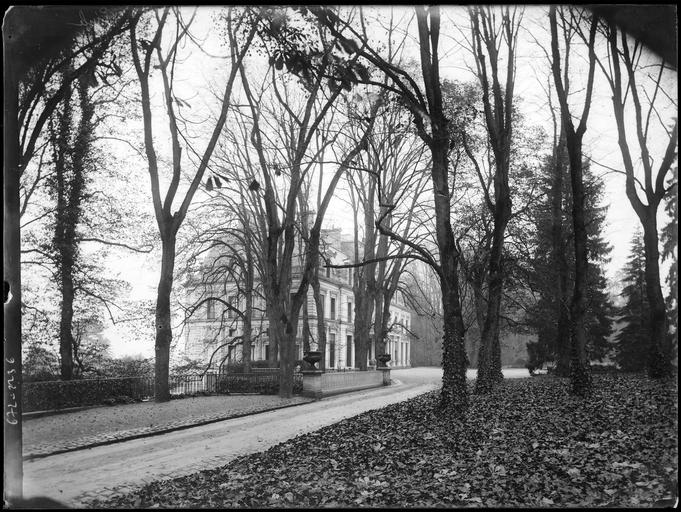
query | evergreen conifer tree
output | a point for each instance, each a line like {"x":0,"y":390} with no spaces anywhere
{"x":632,"y":341}
{"x":543,"y":317}
{"x":670,"y":241}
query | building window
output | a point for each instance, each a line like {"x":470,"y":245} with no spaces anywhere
{"x":349,"y":311}
{"x":210,"y":310}
{"x":350,"y":276}
{"x":322,"y":300}
{"x":333,"y":308}
{"x":328,"y":271}
{"x":348,"y":348}
{"x":231,"y":331}
{"x":230,"y":301}
{"x":267,"y":352}
{"x":332,"y":350}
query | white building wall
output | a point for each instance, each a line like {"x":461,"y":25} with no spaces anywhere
{"x":199,"y":329}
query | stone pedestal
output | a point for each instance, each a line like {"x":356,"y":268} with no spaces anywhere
{"x":386,"y":374}
{"x":312,"y":383}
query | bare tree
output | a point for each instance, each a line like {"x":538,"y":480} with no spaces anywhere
{"x":169,"y":222}
{"x":579,"y":364}
{"x":644,"y":195}
{"x":427,"y":108}
{"x":223,"y":268}
{"x":389,"y":186}
{"x":487,"y":39}
{"x":283,"y":306}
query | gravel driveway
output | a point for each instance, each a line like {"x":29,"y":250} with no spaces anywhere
{"x":90,"y":427}
{"x":100,"y":425}
{"x":74,"y":477}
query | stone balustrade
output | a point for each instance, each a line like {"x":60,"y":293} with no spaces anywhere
{"x":317,"y":384}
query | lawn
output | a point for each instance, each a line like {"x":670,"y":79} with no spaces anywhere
{"x":528,"y":444}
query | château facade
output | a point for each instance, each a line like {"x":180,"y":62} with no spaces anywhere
{"x":213,"y":332}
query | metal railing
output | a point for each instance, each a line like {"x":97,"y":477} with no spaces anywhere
{"x":48,"y":395}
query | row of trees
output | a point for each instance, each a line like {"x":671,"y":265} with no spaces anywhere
{"x":311,"y":103}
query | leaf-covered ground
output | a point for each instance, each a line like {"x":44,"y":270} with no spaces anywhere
{"x":529,"y":443}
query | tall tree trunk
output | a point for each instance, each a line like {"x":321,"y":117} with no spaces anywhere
{"x":498,"y":119}
{"x":362,"y":326}
{"x":380,"y":323}
{"x":654,"y":190}
{"x":559,"y":261}
{"x":579,"y":364}
{"x":246,"y":356}
{"x":70,"y":179}
{"x":285,"y":330}
{"x":319,"y":308}
{"x":66,"y":341}
{"x":364,"y":287}
{"x":306,"y":328}
{"x":489,"y":359}
{"x":62,"y":241}
{"x":247,"y":331}
{"x":164,"y":333}
{"x":454,"y":392}
{"x":659,"y":355}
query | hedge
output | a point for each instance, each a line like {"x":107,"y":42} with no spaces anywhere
{"x":51,"y":395}
{"x":47,"y":395}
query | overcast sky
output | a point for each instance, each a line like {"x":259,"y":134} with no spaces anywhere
{"x":600,"y":141}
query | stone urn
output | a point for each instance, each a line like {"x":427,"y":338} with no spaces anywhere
{"x":312,"y":358}
{"x":383,"y":359}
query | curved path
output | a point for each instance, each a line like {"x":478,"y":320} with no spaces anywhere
{"x":71,"y":477}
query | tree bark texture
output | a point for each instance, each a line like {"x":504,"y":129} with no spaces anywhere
{"x":559,"y":261}
{"x":489,"y":359}
{"x":321,"y":325}
{"x":454,"y":392}
{"x":248,"y":316}
{"x":579,"y":364}
{"x":65,"y":219}
{"x":659,"y":353}
{"x":362,"y":326}
{"x":70,"y":189}
{"x":164,"y":332}
{"x":498,"y":110}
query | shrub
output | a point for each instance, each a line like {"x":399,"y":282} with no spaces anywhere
{"x":40,"y":396}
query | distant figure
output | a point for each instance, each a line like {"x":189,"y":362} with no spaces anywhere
{"x":36,"y":503}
